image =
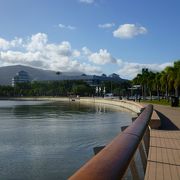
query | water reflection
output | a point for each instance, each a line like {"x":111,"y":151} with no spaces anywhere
{"x":50,"y":140}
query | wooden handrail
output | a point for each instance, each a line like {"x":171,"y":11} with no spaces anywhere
{"x":113,"y":161}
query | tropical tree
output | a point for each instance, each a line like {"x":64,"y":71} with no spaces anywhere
{"x":82,"y":89}
{"x":158,"y":84}
{"x":142,"y":79}
{"x":164,"y":83}
{"x":177,"y":79}
{"x":138,"y":80}
{"x":150,"y":82}
{"x":58,"y":73}
{"x":171,"y":76}
{"x":6,"y":91}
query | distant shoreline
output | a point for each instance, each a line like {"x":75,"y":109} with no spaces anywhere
{"x":133,"y":106}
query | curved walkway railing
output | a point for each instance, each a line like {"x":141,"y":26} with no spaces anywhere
{"x":113,"y":161}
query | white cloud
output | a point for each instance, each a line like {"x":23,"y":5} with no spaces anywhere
{"x":76,"y":53}
{"x":130,"y":70}
{"x":127,"y":31}
{"x":37,"y":52}
{"x":102,"y":57}
{"x":5,"y":44}
{"x":69,"y":27}
{"x":16,"y":42}
{"x":37,"y":42}
{"x":106,"y":26}
{"x":86,"y":51}
{"x":87,"y":1}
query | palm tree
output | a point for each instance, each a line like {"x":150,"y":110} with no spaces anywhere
{"x":138,"y":81}
{"x":164,"y":83}
{"x":58,"y":73}
{"x":177,"y":79}
{"x":171,"y":76}
{"x":177,"y":84}
{"x":144,"y":81}
{"x":169,"y":80}
{"x":150,"y":82}
{"x":158,"y":84}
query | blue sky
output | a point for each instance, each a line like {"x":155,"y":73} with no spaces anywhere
{"x":90,"y":36}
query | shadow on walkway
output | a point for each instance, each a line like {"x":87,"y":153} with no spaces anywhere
{"x":166,"y":123}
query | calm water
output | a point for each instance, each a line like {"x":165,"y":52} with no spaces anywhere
{"x":50,"y":140}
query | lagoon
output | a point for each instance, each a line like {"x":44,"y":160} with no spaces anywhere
{"x":51,"y":140}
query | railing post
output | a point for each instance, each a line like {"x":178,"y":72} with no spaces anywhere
{"x":123,"y":128}
{"x":133,"y":119}
{"x":134,"y":170}
{"x":98,"y":149}
{"x":143,"y":156}
{"x":133,"y":167}
{"x":146,"y":140}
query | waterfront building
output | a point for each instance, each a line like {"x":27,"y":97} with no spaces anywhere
{"x":20,"y":77}
{"x":93,"y":80}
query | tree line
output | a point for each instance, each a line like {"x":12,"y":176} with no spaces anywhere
{"x":165,"y":83}
{"x":161,"y":84}
{"x":64,"y":88}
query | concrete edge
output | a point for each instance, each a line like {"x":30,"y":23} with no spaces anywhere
{"x":155,"y":122}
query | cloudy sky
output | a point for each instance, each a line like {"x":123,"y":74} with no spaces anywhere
{"x":90,"y":36}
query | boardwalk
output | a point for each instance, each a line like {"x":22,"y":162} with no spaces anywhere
{"x":164,"y":156}
{"x":164,"y":152}
{"x":170,"y":117}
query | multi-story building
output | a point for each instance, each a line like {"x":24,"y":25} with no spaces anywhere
{"x":20,"y":77}
{"x":93,"y":80}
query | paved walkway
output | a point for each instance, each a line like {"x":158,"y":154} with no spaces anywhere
{"x":170,"y":117}
{"x":164,"y":152}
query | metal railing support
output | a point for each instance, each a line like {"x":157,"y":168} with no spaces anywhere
{"x":143,"y":156}
{"x":98,"y":149}
{"x":134,"y":170}
{"x":142,"y":151}
{"x":146,"y":140}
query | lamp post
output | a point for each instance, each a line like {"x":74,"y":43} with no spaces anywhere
{"x":100,"y":91}
{"x":97,"y":90}
{"x":104,"y":91}
{"x":111,"y":86}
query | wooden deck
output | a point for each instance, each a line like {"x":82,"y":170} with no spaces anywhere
{"x":164,"y":155}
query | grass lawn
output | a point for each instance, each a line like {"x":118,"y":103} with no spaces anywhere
{"x":161,"y":102}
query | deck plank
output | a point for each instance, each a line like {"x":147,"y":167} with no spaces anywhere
{"x":164,"y":155}
{"x":166,"y":172}
{"x":174,"y":172}
{"x":159,"y":171}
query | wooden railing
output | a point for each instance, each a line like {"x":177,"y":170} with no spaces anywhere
{"x":113,"y":161}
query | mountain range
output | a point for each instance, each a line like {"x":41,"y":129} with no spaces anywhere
{"x":8,"y":72}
